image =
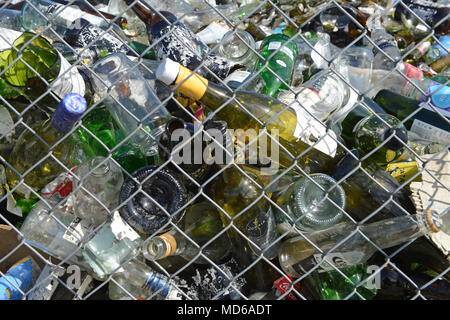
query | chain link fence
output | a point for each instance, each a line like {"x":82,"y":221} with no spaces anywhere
{"x":275,"y":11}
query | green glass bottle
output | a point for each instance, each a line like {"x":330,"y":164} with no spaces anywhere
{"x":380,"y":129}
{"x":281,"y":64}
{"x":331,"y":285}
{"x":100,"y":123}
{"x":30,"y":155}
{"x":422,"y":119}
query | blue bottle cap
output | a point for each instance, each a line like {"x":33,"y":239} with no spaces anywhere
{"x":68,"y":111}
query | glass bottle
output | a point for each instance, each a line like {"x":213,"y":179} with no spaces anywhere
{"x":11,"y":19}
{"x":313,"y":203}
{"x":38,"y":14}
{"x":331,"y":285}
{"x":293,"y":133}
{"x":142,"y":283}
{"x":96,"y":194}
{"x":32,"y":147}
{"x":111,"y":245}
{"x":387,"y":46}
{"x":380,"y":129}
{"x":438,"y":51}
{"x":100,"y":136}
{"x":161,"y":204}
{"x":280,"y":55}
{"x":199,"y":225}
{"x":297,"y":256}
{"x":130,"y":100}
{"x":368,"y":191}
{"x":239,"y":195}
{"x":419,"y":52}
{"x":48,"y":70}
{"x":422,"y":119}
{"x":175,"y":41}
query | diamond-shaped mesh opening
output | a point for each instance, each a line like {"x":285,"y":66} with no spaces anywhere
{"x":311,"y":164}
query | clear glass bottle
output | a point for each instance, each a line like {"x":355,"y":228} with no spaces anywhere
{"x":130,"y":100}
{"x":200,"y":224}
{"x":142,"y":283}
{"x":97,"y":191}
{"x":113,"y":244}
{"x":239,"y":47}
{"x":313,"y":203}
{"x":297,"y":256}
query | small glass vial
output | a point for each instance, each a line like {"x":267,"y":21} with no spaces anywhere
{"x":316,"y":202}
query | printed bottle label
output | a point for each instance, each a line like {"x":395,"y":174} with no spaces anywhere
{"x":430,"y":132}
{"x":276,"y":45}
{"x":69,"y":80}
{"x":238,"y":76}
{"x":121,"y":229}
{"x":76,"y":231}
{"x":339,"y":259}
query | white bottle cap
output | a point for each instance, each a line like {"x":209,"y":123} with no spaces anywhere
{"x":167,"y":71}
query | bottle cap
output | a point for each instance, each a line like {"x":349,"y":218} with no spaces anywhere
{"x":433,"y":220}
{"x":68,"y":111}
{"x":167,"y":71}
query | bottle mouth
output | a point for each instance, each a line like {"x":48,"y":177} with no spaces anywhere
{"x":318,"y":200}
{"x":100,"y":169}
{"x":232,"y":40}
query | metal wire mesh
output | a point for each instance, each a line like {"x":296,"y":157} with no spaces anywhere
{"x":200,"y":188}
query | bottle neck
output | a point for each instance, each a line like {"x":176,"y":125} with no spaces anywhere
{"x":396,"y":231}
{"x":161,"y":247}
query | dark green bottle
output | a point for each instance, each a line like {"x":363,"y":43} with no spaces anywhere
{"x":331,"y":285}
{"x":402,"y":107}
{"x":382,"y":131}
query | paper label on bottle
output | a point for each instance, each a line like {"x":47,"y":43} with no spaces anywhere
{"x":277,"y":44}
{"x":339,"y":259}
{"x":274,"y":45}
{"x":7,"y":37}
{"x":69,"y":80}
{"x":6,"y":124}
{"x":76,"y":231}
{"x":71,"y":14}
{"x":46,"y":283}
{"x":281,"y":63}
{"x":238,"y":76}
{"x":310,"y":130}
{"x":430,"y":132}
{"x":121,"y":229}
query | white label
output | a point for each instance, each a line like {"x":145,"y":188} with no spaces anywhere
{"x":430,"y":132}
{"x":46,"y":284}
{"x":76,"y":231}
{"x":121,"y":229}
{"x":238,"y":76}
{"x":309,"y":130}
{"x":339,"y":260}
{"x":274,"y":45}
{"x":7,"y":37}
{"x":69,"y":80}
{"x":288,"y":52}
{"x":281,"y":63}
{"x":213,"y":33}
{"x":71,"y":14}
{"x":6,"y":124}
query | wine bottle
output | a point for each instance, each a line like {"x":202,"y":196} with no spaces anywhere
{"x":421,"y":118}
{"x":199,"y":225}
{"x":293,"y":133}
{"x":163,"y":201}
{"x":297,"y":256}
{"x":368,"y":191}
{"x":312,"y":203}
{"x":380,"y":129}
{"x":174,"y":40}
{"x":34,"y":147}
